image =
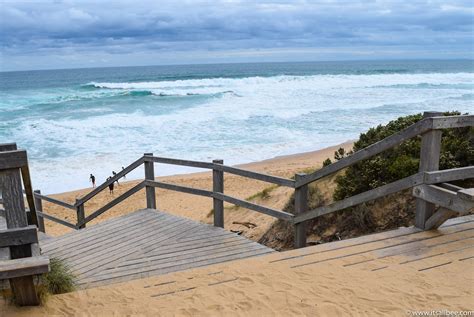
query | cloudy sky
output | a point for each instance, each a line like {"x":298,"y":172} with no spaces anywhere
{"x":69,"y":34}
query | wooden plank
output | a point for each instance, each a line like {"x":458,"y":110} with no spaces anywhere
{"x":449,"y":175}
{"x":99,"y":231}
{"x":13,"y":159}
{"x":57,"y":220}
{"x":115,"y":178}
{"x":420,"y":247}
{"x":218,"y":187}
{"x":179,"y":188}
{"x":112,"y":203}
{"x":92,"y":262}
{"x":466,"y":194}
{"x":450,"y":187}
{"x":25,"y":174}
{"x":10,"y":185}
{"x":39,"y":207}
{"x":54,"y":201}
{"x":449,"y":122}
{"x":90,"y":238}
{"x":264,"y":210}
{"x":438,"y":218}
{"x":119,"y":251}
{"x":181,"y":253}
{"x":185,"y":260}
{"x":18,"y":236}
{"x":172,"y":161}
{"x":102,"y":280}
{"x":13,"y":202}
{"x":429,"y":161}
{"x":254,"y":175}
{"x":149,"y":176}
{"x":301,"y":206}
{"x":80,"y":216}
{"x":24,"y":267}
{"x":458,"y":220}
{"x":384,"y":246}
{"x":7,"y":147}
{"x":415,"y":129}
{"x":89,"y":248}
{"x":440,"y":196}
{"x":369,"y":195}
{"x":192,"y":245}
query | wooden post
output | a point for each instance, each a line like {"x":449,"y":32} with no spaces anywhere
{"x":13,"y":202}
{"x":301,"y":206}
{"x":150,"y":190}
{"x":218,"y":187}
{"x":80,"y":214}
{"x":429,"y":161}
{"x":39,"y":207}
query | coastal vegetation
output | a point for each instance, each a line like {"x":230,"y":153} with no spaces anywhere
{"x":58,"y":280}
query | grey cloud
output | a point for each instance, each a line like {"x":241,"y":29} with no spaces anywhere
{"x":124,"y":27}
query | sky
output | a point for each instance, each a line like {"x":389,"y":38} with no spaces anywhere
{"x":76,"y":34}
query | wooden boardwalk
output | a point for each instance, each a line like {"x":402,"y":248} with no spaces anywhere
{"x":145,"y":243}
{"x":423,"y":250}
{"x":398,"y":250}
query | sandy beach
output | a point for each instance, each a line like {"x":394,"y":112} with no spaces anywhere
{"x":199,"y":208}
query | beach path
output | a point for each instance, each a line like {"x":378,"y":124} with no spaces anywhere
{"x":146,"y":243}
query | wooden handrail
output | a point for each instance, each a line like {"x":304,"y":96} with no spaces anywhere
{"x":172,"y":161}
{"x":369,"y":195}
{"x":254,"y":175}
{"x":54,"y":201}
{"x":449,"y":122}
{"x":264,"y":210}
{"x":415,"y":129}
{"x":449,"y":175}
{"x":179,"y":188}
{"x":112,"y":203}
{"x":113,"y":179}
{"x":399,"y":185}
{"x":60,"y":221}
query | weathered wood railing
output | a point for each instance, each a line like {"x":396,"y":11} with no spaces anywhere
{"x":20,"y":256}
{"x":429,"y":128}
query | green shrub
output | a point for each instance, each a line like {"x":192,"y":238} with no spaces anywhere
{"x":457,"y":150}
{"x":58,"y":280}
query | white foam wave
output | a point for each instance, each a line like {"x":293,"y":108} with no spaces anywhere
{"x":272,"y":116}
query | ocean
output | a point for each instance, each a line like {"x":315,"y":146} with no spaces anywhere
{"x":82,"y":121}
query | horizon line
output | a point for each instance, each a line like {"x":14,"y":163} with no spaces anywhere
{"x":231,"y":63}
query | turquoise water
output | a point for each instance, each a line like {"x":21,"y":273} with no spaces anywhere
{"x":104,"y":118}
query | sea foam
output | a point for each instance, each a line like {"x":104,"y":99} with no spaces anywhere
{"x":100,"y":126}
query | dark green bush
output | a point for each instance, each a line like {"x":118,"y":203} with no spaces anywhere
{"x":457,"y":150}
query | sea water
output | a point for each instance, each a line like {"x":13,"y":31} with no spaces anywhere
{"x":82,"y":121}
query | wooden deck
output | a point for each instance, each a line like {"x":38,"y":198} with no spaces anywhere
{"x":423,"y":250}
{"x":145,"y":243}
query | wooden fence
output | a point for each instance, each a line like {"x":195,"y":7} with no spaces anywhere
{"x":429,"y":195}
{"x":20,"y":258}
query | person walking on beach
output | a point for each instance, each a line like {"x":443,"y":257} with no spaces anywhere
{"x":124,"y":174}
{"x":111,"y":186}
{"x":115,"y":174}
{"x":92,"y":179}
